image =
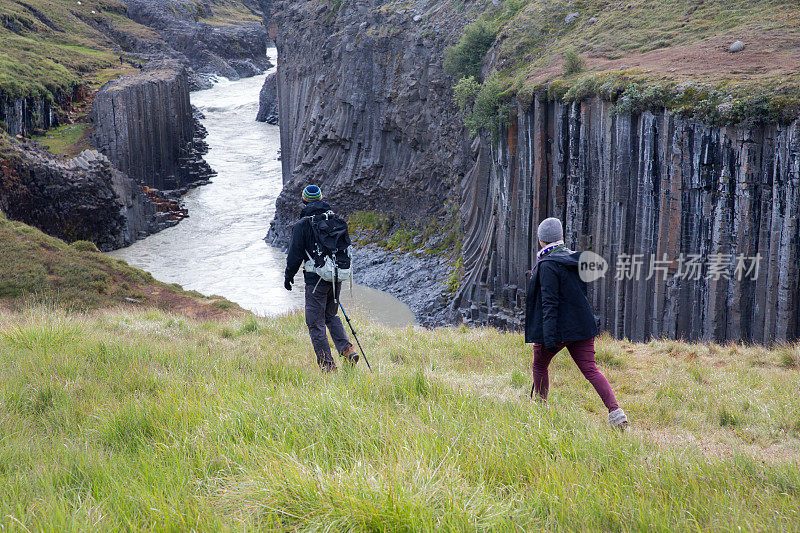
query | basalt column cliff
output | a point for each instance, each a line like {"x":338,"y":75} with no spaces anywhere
{"x":649,"y":185}
{"x":365,"y":107}
{"x":145,"y":125}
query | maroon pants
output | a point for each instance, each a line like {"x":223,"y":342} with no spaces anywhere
{"x":582,"y":353}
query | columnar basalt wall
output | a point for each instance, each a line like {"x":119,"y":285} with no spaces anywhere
{"x":654,"y":184}
{"x":268,"y":100}
{"x":365,"y":107}
{"x":145,"y":125}
{"x":23,"y":116}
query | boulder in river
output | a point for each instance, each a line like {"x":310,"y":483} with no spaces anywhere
{"x":268,"y":101}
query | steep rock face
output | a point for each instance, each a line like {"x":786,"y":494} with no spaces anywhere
{"x":365,"y":107}
{"x":83,"y":198}
{"x":23,"y":116}
{"x":232,"y":51}
{"x":145,"y":125}
{"x":652,"y":184}
{"x":268,"y":100}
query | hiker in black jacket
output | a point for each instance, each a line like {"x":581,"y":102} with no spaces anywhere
{"x":558,"y":315}
{"x":321,"y":304}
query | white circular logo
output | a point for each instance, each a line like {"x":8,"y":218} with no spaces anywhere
{"x":591,"y":266}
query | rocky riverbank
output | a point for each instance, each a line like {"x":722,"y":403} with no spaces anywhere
{"x":419,"y":281}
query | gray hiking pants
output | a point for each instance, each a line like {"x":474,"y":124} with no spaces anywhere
{"x":321,"y":309}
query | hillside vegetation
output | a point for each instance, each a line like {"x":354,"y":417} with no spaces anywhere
{"x":647,"y":54}
{"x":50,"y":47}
{"x":35,"y":267}
{"x":149,"y":420}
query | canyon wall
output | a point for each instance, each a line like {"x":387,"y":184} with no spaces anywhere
{"x":651,"y":185}
{"x":145,"y":125}
{"x":83,"y":198}
{"x":220,"y":49}
{"x":366,"y":112}
{"x":365,"y":106}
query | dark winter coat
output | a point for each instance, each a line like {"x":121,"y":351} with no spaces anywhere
{"x":303,"y":242}
{"x":557,"y":310}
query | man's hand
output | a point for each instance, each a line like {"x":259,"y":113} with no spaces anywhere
{"x":287,"y":283}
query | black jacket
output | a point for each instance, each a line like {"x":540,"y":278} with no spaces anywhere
{"x":557,"y":310}
{"x":303,"y":241}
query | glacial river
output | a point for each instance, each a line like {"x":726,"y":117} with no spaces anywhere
{"x":220,"y":249}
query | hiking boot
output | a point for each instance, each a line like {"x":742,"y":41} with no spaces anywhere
{"x":618,"y":419}
{"x":350,"y":354}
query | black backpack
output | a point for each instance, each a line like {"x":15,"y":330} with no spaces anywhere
{"x":332,"y":259}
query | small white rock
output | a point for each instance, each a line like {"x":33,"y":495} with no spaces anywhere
{"x":569,"y":19}
{"x":738,"y":46}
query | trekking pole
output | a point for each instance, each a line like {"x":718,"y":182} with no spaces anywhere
{"x":347,"y":318}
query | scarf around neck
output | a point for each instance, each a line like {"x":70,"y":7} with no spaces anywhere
{"x":557,"y":245}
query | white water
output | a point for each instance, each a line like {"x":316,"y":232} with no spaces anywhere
{"x":220,"y":249}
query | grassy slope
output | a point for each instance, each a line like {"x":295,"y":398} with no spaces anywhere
{"x":52,"y":50}
{"x":149,"y":420}
{"x":670,"y":43}
{"x":34,"y":266}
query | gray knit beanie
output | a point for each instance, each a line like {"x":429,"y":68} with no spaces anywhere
{"x":550,"y":230}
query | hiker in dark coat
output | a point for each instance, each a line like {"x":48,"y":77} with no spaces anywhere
{"x":558,"y":315}
{"x":321,"y":301}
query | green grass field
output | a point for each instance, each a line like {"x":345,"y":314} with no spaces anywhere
{"x":152,"y":421}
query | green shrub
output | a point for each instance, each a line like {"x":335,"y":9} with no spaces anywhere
{"x":369,"y":221}
{"x":465,"y":58}
{"x":454,"y":281}
{"x":403,"y":240}
{"x":465,"y":92}
{"x":488,"y":110}
{"x":573,"y":63}
{"x":637,"y":99}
